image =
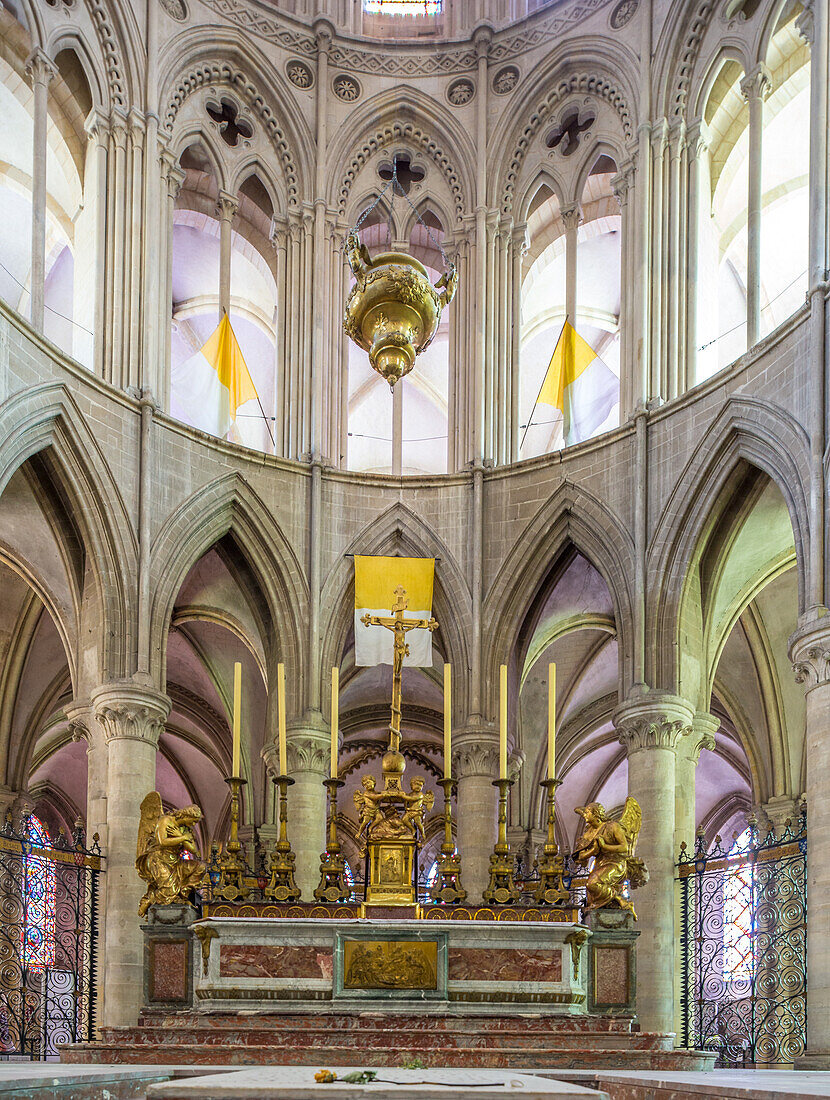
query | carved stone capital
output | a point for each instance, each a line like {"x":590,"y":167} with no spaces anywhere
{"x":700,"y":737}
{"x":620,"y":185}
{"x":227,"y":206}
{"x":97,"y":128}
{"x":756,"y":84}
{"x":130,"y":713}
{"x":809,"y":649}
{"x":805,"y":22}
{"x":698,"y":139}
{"x":781,"y":812}
{"x":39,"y":67}
{"x":323,"y":34}
{"x":479,"y":757}
{"x":307,"y":750}
{"x":653,"y":722}
{"x":571,"y":216}
{"x":118,"y":129}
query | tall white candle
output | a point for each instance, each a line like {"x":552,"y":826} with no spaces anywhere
{"x":281,"y":715}
{"x":503,"y":722}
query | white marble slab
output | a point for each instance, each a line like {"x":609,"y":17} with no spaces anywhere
{"x":297,"y":1083}
{"x":726,"y":1084}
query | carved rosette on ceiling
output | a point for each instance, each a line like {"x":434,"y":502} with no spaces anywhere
{"x":175,"y":9}
{"x":345,"y":87}
{"x":622,"y":14}
{"x":299,"y":74}
{"x":505,"y":80}
{"x":461,"y":92}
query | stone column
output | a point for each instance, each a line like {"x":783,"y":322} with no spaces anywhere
{"x":519,"y":246}
{"x":674,"y":349}
{"x":98,"y":133}
{"x":650,"y":727}
{"x":698,"y":148}
{"x":131,"y":720}
{"x":40,"y":71}
{"x":689,"y":748}
{"x":571,"y":216}
{"x":755,"y":87}
{"x":475,"y":763}
{"x":174,"y":178}
{"x":308,"y":765}
{"x":83,"y":727}
{"x":226,"y":207}
{"x":810,"y":654}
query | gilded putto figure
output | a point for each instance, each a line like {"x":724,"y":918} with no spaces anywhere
{"x":163,"y":839}
{"x":610,"y":844}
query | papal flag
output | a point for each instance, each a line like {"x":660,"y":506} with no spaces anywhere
{"x":579,"y":385}
{"x":211,"y":385}
{"x":375,"y":581}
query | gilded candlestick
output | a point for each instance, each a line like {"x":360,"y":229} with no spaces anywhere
{"x":502,"y":889}
{"x":281,"y":885}
{"x":447,"y":889}
{"x":333,"y":883}
{"x":550,"y":889}
{"x":232,"y":885}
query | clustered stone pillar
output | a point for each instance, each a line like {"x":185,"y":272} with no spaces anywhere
{"x":475,"y":765}
{"x":308,"y":765}
{"x":40,"y":71}
{"x":755,"y":87}
{"x":810,"y":655}
{"x":131,"y":720}
{"x":650,"y":727}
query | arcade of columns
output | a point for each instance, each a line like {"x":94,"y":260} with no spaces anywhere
{"x":133,"y":177}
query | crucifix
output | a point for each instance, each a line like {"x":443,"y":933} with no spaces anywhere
{"x":400,"y":627}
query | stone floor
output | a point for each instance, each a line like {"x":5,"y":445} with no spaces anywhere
{"x":52,"y":1081}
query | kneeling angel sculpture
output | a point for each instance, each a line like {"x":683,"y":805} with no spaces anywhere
{"x":162,"y":841}
{"x":610,"y":844}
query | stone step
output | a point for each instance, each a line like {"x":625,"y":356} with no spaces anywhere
{"x":291,"y":1021}
{"x":381,"y":1038}
{"x":330,"y":1055}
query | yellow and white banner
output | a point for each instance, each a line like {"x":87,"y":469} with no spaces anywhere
{"x":580,"y":385}
{"x":211,"y":385}
{"x":375,"y":581}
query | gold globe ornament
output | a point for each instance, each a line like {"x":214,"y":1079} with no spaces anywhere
{"x":393,"y":310}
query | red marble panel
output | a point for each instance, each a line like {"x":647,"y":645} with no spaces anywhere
{"x":168,"y":970}
{"x":504,"y":964}
{"x":611,"y":976}
{"x":271,"y":961}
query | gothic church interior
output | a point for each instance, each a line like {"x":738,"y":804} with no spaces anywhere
{"x":651,"y":175}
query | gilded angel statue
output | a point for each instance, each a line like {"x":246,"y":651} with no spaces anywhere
{"x":610,"y":844}
{"x":163,"y":840}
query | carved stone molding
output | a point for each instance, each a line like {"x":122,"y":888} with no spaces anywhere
{"x":39,"y":67}
{"x":227,"y":206}
{"x":809,"y":650}
{"x":701,"y":736}
{"x":653,"y":722}
{"x":805,"y":22}
{"x":756,"y":84}
{"x":131,"y":713}
{"x":476,"y":758}
{"x":571,"y":216}
{"x":307,"y":751}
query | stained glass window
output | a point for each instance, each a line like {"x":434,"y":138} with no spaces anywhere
{"x":737,"y":913}
{"x":38,"y":930}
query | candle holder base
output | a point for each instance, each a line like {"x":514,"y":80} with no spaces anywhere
{"x":502,"y":888}
{"x":334,"y":885}
{"x":447,"y":888}
{"x":232,"y":870}
{"x":281,"y":885}
{"x":550,"y":889}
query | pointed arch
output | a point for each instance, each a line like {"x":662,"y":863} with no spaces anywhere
{"x":545,"y":177}
{"x":750,"y":430}
{"x":225,"y":506}
{"x":400,"y":529}
{"x":426,"y":125}
{"x":46,"y":419}
{"x":574,"y":516}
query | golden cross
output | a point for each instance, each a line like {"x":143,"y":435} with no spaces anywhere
{"x":400,"y":628}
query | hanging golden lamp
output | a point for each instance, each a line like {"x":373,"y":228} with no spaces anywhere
{"x":393,"y":310}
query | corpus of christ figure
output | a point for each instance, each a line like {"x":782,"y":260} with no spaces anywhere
{"x":400,"y":627}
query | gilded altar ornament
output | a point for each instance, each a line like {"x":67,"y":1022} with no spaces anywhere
{"x":167,"y":856}
{"x":610,"y":844}
{"x":393,"y":310}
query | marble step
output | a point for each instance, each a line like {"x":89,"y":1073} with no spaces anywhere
{"x":329,"y":1055}
{"x":360,"y":1021}
{"x":383,"y":1038}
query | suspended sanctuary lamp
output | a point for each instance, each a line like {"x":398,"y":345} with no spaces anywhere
{"x":393,"y":309}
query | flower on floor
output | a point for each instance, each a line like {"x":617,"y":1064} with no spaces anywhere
{"x":325,"y":1077}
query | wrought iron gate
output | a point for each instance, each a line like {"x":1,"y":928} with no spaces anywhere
{"x":743,"y":947}
{"x":48,"y":931}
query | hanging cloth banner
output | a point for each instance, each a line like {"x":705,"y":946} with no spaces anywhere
{"x":212,"y":384}
{"x":375,"y":581}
